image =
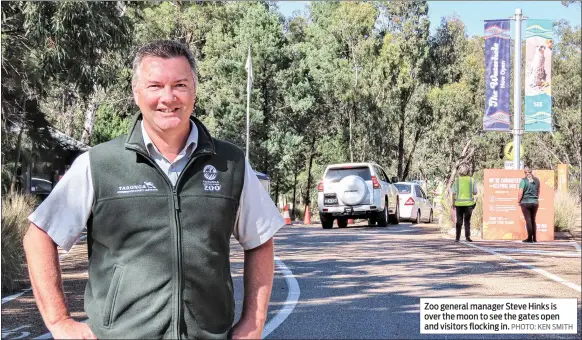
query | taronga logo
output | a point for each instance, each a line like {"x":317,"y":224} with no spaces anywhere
{"x":146,"y":186}
{"x":210,"y":172}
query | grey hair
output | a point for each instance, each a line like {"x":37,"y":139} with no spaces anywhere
{"x":165,"y":49}
{"x":464,"y":170}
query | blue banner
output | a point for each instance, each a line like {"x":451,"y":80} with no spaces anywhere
{"x":538,"y":75}
{"x":497,"y":72}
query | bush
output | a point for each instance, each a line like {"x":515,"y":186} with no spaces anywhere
{"x":15,"y":210}
{"x":566,"y":210}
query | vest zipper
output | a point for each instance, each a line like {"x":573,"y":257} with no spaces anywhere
{"x":176,"y":203}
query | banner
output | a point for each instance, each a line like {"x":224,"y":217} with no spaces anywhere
{"x":502,"y":216}
{"x":497,"y":72}
{"x":538,"y":75}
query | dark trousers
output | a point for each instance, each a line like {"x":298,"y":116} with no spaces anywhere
{"x":530,"y":211}
{"x":464,"y":215}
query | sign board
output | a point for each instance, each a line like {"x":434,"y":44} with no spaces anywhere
{"x":508,"y":165}
{"x":508,"y":151}
{"x":563,"y":177}
{"x":502,"y":216}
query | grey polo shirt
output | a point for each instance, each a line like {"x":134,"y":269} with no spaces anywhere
{"x":64,"y":213}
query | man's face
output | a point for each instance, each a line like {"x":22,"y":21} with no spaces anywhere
{"x":165,"y":93}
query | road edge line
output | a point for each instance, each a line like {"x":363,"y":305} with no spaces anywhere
{"x":289,"y":305}
{"x":535,"y":269}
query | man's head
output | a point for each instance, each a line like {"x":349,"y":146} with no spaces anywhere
{"x":527,"y":171}
{"x":464,"y":170}
{"x":164,"y":85}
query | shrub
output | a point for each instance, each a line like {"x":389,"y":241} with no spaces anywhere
{"x":566,"y":210}
{"x":15,"y":210}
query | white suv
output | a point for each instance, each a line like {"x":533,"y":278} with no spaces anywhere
{"x":357,"y":190}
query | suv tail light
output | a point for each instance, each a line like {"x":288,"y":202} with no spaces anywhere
{"x":320,"y":185}
{"x":409,"y":201}
{"x":375,"y":183}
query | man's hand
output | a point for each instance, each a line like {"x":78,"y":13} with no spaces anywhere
{"x":247,"y":329}
{"x":71,"y":329}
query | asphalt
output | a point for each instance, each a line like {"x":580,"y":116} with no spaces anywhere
{"x":366,"y":282}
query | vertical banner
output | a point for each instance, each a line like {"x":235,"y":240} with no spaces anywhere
{"x":497,"y":71}
{"x":538,"y":75}
{"x":502,"y":216}
{"x":563,"y":177}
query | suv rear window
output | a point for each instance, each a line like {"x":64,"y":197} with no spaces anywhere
{"x":336,"y":175}
{"x":403,"y":188}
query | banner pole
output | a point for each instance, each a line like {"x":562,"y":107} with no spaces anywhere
{"x":517,"y":131}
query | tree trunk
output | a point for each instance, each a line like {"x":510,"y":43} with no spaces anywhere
{"x":277,"y":193}
{"x":16,"y":161}
{"x":311,"y":156}
{"x":465,"y":157}
{"x":401,"y":130}
{"x":89,"y":119}
{"x":294,"y":193}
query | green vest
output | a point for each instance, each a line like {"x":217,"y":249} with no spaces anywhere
{"x":463,"y":189}
{"x":159,"y":255}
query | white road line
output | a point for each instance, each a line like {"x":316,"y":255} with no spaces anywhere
{"x":538,"y":252}
{"x":535,"y":269}
{"x":24,"y":291}
{"x":292,"y":297}
{"x":14,"y":296}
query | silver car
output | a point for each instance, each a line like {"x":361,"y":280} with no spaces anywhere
{"x":357,"y":190}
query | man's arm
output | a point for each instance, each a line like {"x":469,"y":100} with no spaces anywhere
{"x":45,"y":276}
{"x":258,"y":282}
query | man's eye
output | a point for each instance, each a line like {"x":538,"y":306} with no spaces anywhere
{"x":181,"y":85}
{"x":153,"y":86}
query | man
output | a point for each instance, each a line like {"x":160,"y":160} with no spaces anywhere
{"x":464,"y":191}
{"x":160,"y":205}
{"x":529,"y":193}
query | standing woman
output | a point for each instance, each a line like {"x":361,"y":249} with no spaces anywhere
{"x":464,"y":191}
{"x":529,"y":192}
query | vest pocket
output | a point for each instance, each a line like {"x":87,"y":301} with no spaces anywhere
{"x":109,"y":305}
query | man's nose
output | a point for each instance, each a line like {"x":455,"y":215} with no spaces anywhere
{"x":167,"y":94}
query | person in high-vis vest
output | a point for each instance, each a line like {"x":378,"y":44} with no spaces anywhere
{"x":464,"y":191}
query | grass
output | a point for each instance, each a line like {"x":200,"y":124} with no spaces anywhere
{"x":15,"y":210}
{"x":566,"y":210}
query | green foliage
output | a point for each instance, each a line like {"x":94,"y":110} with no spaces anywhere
{"x":361,"y":80}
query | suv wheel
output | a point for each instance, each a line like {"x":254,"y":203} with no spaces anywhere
{"x":342,"y":222}
{"x":382,"y":217}
{"x":395,"y":218}
{"x":326,"y":221}
{"x":430,"y":217}
{"x":417,"y":221}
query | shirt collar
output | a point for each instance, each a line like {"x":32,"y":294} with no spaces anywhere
{"x":188,"y":149}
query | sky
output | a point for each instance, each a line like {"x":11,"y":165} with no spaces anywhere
{"x":472,"y":13}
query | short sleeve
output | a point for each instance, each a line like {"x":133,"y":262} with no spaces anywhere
{"x":64,"y":213}
{"x":522,"y":184}
{"x":258,"y":218}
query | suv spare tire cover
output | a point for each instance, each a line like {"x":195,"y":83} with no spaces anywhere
{"x":352,"y":190}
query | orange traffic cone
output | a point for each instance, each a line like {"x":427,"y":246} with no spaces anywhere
{"x":286,"y":215}
{"x":307,"y":217}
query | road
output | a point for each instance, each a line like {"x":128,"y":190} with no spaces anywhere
{"x":366,"y":282}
